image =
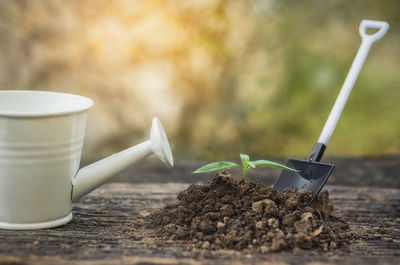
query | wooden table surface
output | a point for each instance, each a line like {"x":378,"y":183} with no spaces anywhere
{"x":365,"y":190}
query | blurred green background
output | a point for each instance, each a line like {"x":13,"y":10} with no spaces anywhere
{"x":256,"y":76}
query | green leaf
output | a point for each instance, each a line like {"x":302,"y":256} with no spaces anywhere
{"x":216,"y":166}
{"x":272,"y":164}
{"x":252,"y":164}
{"x":244,"y":158}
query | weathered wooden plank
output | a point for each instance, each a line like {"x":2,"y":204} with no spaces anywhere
{"x":100,"y":231}
{"x":383,"y":172}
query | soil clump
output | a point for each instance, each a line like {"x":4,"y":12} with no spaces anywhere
{"x":227,"y":214}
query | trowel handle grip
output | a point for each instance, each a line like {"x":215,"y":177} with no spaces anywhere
{"x":381,"y":26}
{"x":367,"y":41}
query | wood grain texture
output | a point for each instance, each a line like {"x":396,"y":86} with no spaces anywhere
{"x":383,"y":172}
{"x":100,"y":231}
{"x":366,"y":192}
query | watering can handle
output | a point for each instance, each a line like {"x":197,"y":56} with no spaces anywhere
{"x":367,"y":41}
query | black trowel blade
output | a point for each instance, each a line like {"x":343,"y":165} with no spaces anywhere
{"x":310,"y":176}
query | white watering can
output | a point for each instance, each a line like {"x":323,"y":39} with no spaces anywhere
{"x":41,"y":139}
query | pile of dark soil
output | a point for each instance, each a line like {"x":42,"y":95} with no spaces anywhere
{"x":228,"y":214}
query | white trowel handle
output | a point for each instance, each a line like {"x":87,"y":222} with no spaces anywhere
{"x":367,"y":41}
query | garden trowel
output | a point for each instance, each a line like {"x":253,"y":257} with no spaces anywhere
{"x":312,"y":174}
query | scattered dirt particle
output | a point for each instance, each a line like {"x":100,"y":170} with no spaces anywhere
{"x":318,"y":231}
{"x":220,"y":225}
{"x":273,"y":223}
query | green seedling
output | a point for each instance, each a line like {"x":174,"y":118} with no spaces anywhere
{"x":246,"y":165}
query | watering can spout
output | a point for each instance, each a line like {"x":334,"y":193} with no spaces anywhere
{"x":96,"y":174}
